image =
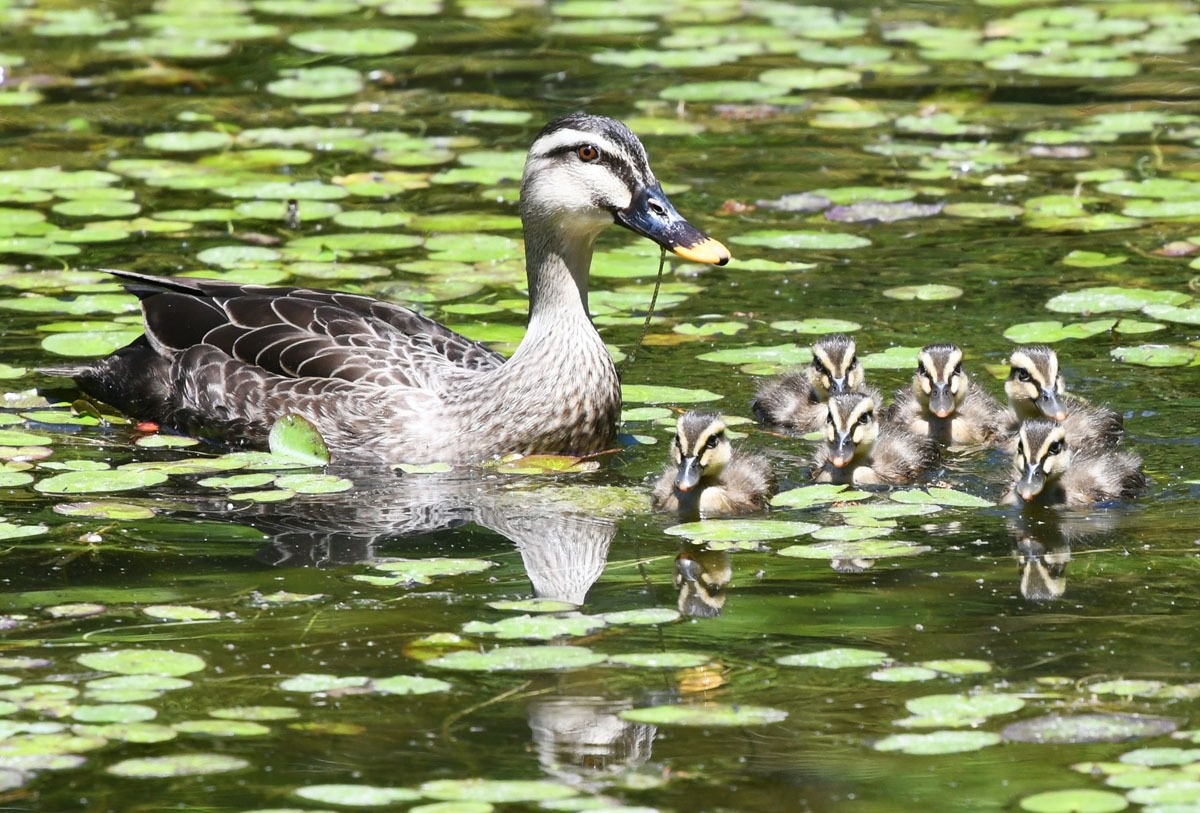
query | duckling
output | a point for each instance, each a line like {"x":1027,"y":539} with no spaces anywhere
{"x":1035,"y":388}
{"x":701,"y":577}
{"x":706,"y":476}
{"x":383,"y":383}
{"x":860,"y":451}
{"x":1047,"y":471}
{"x":947,"y":405}
{"x":796,"y":399}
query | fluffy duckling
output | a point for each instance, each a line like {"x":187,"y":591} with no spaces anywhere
{"x":945,"y":404}
{"x":1035,"y":388}
{"x":706,"y":476}
{"x":1047,"y":471}
{"x":860,"y":451}
{"x":796,"y":399}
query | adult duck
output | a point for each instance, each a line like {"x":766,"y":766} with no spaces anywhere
{"x":383,"y":383}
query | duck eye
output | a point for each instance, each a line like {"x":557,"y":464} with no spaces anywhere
{"x":588,"y":153}
{"x":864,"y":419}
{"x":921,"y":371}
{"x":958,"y":369}
{"x":821,"y":369}
{"x":1021,"y":374}
{"x":712,"y":441}
{"x":1055,"y":448}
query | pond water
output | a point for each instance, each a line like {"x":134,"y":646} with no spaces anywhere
{"x":1004,"y":153}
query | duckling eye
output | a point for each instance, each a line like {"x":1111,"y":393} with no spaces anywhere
{"x":1055,"y":448}
{"x":1021,"y":374}
{"x":821,"y":369}
{"x":713,"y":441}
{"x":864,"y":419}
{"x":588,"y":153}
{"x":921,"y":371}
{"x":958,"y":369}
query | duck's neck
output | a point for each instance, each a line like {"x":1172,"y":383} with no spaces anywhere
{"x":557,"y":271}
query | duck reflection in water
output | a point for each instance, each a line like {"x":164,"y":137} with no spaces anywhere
{"x":563,"y":546}
{"x":1042,"y":543}
{"x":700,"y":577}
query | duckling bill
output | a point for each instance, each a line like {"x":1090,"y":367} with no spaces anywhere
{"x":381,"y":382}
{"x":707,"y":476}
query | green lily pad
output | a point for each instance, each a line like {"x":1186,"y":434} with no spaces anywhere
{"x":519,"y":659}
{"x":870,"y":548}
{"x":1173,"y":313}
{"x":838,"y":658}
{"x":354,"y":42}
{"x":975,"y":707}
{"x":821,"y":494}
{"x":1128,"y":688}
{"x":409,"y":684}
{"x":816,"y":327}
{"x":1113,"y":298}
{"x":91,"y":482}
{"x":800,"y":240}
{"x":939,"y":496}
{"x":534,"y":605}
{"x":1092,"y":259}
{"x":178,"y":765}
{"x":1075,"y":801}
{"x":136,"y":682}
{"x":983,"y":211}
{"x":496,"y":791}
{"x":707,"y":715}
{"x":780,"y":355}
{"x":327,"y":82}
{"x":313,"y":483}
{"x":894,"y":358}
{"x":175,"y":612}
{"x":356,"y":795}
{"x":295,"y":437}
{"x":1082,"y":728}
{"x":1159,"y":757}
{"x":651,"y":394}
{"x":853,"y":533}
{"x":741,"y":530}
{"x":13,"y":531}
{"x":114,"y":713}
{"x":661,"y":660}
{"x":311,"y":683}
{"x":938,"y":742}
{"x":903,"y":674}
{"x":1048,"y":332}
{"x":142,"y":662}
{"x":809,"y":78}
{"x":78,"y":609}
{"x":929,"y":292}
{"x":424,"y":571}
{"x":958,"y":666}
{"x":536,"y":628}
{"x":255,"y":713}
{"x":221,"y":728}
{"x":649,"y":616}
{"x":15,"y":437}
{"x":1152,"y":355}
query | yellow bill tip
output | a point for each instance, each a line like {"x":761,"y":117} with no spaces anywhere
{"x":710,"y":251}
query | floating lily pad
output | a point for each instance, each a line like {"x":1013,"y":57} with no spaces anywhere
{"x":356,"y":795}
{"x":255,"y":713}
{"x":104,"y":510}
{"x":91,"y":482}
{"x":78,"y":609}
{"x":816,"y":326}
{"x":1082,"y":728}
{"x":1113,"y":298}
{"x":800,"y":240}
{"x":970,"y":707}
{"x":310,"y":683}
{"x":1074,"y":801}
{"x":519,"y":659}
{"x":536,"y":628}
{"x":779,"y":355}
{"x":894,"y":358}
{"x":533,"y":605}
{"x":869,"y":548}
{"x":179,"y":765}
{"x":1092,"y":259}
{"x":175,"y":612}
{"x":903,"y":674}
{"x":839,"y":658}
{"x":651,"y":394}
{"x":707,"y":715}
{"x":222,"y":728}
{"x":929,"y":292}
{"x":1173,"y":313}
{"x":1153,"y":355}
{"x":424,"y":571}
{"x":661,"y":660}
{"x":1048,"y":332}
{"x":958,"y":666}
{"x":142,"y":662}
{"x":1128,"y":688}
{"x":821,"y":494}
{"x":496,"y":791}
{"x":939,"y":496}
{"x":114,"y":713}
{"x":295,"y":437}
{"x":741,"y":530}
{"x":938,"y":742}
{"x":354,"y":42}
{"x":649,"y":616}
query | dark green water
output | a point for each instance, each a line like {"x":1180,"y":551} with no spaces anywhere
{"x":1128,"y":608}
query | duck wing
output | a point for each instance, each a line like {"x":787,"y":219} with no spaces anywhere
{"x":304,"y":333}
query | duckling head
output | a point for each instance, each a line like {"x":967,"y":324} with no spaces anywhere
{"x":585,"y":172}
{"x":835,"y":366}
{"x":850,"y":427}
{"x":939,"y":382}
{"x":1034,"y":383}
{"x":1041,"y":458}
{"x":701,"y":450}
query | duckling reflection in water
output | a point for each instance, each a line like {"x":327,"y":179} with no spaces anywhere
{"x":947,"y":405}
{"x":1048,"y":471}
{"x":1043,"y":572}
{"x":860,"y":451}
{"x":701,"y":577}
{"x":1035,"y":388}
{"x":707,"y":477}
{"x":796,"y":399}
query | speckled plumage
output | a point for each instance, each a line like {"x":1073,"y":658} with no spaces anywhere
{"x":947,"y":405}
{"x":1049,"y":471}
{"x":1035,"y":388}
{"x":383,"y":383}
{"x":858,"y":450}
{"x":707,"y":477}
{"x":796,"y":399}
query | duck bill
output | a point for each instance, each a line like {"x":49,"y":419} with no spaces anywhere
{"x":941,"y":402}
{"x":689,"y":474}
{"x":843,"y":452}
{"x":1032,"y":481}
{"x":1048,"y":403}
{"x":838,"y":385}
{"x":651,"y":215}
